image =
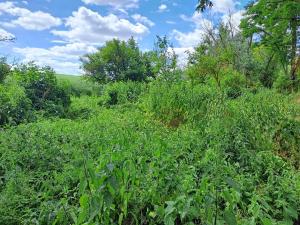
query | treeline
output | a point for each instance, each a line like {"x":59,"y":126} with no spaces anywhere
{"x":124,"y":61}
{"x":230,"y":58}
{"x":263,"y":51}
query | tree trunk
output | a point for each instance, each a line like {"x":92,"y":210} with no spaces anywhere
{"x":294,"y":48}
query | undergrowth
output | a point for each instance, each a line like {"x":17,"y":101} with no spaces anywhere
{"x":162,"y":154}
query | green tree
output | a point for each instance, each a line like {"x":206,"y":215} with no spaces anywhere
{"x":4,"y":69}
{"x":163,"y":59}
{"x":15,"y":106}
{"x":222,"y":51}
{"x":116,"y":61}
{"x":275,"y":24}
{"x":42,"y":88}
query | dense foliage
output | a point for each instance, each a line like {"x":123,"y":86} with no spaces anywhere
{"x":277,"y":24}
{"x":178,"y":154}
{"x":29,"y":91}
{"x":116,"y":61}
{"x":4,"y":69}
{"x":123,"y":61}
{"x":141,"y":140}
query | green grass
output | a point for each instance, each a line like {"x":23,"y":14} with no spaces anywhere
{"x":77,"y":85}
{"x":75,"y":81}
{"x":71,"y":78}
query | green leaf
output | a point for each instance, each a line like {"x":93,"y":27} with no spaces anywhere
{"x":229,"y":217}
{"x":82,"y":186}
{"x":152,"y":214}
{"x":267,"y":221}
{"x":169,"y":220}
{"x":233,"y":184}
{"x":84,"y":208}
{"x":120,"y":221}
{"x":291,"y":212}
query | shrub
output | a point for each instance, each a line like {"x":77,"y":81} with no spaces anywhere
{"x":15,"y":107}
{"x":121,"y":93}
{"x":174,"y":103}
{"x":84,"y":107}
{"x":42,"y":89}
{"x":284,"y":84}
{"x":287,"y":139}
{"x":78,"y":86}
{"x":233,"y":83}
{"x":4,"y":69}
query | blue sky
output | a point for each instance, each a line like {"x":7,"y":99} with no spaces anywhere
{"x":58,"y":32}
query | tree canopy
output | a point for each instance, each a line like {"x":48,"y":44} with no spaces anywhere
{"x":116,"y":61}
{"x":123,"y":61}
{"x":275,"y":24}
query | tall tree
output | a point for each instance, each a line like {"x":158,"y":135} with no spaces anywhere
{"x":275,"y":23}
{"x":116,"y":61}
{"x":163,"y":59}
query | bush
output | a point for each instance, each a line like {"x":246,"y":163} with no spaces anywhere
{"x":175,"y":103}
{"x":4,"y":69}
{"x":121,"y":93}
{"x":287,"y":139}
{"x":284,"y":84}
{"x":15,"y":107}
{"x":84,"y":107}
{"x":233,"y":83}
{"x":42,"y":89}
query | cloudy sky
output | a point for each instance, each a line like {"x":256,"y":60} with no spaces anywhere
{"x":58,"y":32}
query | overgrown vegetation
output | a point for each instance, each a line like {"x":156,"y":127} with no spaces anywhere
{"x":191,"y":155}
{"x":29,"y":92}
{"x":140,"y":140}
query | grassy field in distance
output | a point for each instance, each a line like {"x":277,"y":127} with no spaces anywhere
{"x":77,"y":84}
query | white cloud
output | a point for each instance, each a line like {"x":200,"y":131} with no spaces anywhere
{"x":162,"y":8}
{"x":182,"y":54}
{"x":64,"y":59}
{"x":234,"y":18}
{"x":59,"y":42}
{"x":170,"y":22}
{"x":114,"y":3}
{"x":188,"y":40}
{"x":192,"y":38}
{"x":224,"y":6}
{"x":27,"y":19}
{"x":197,"y":19}
{"x":202,"y":24}
{"x":5,"y":34}
{"x":142,"y":19}
{"x":91,"y":27}
{"x":37,"y":21}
